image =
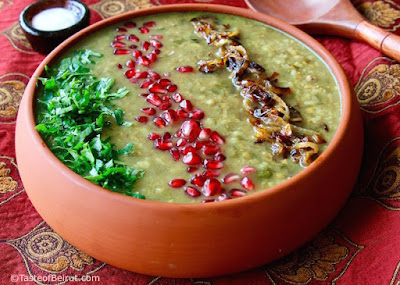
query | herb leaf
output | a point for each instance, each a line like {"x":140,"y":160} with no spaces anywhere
{"x":71,"y":115}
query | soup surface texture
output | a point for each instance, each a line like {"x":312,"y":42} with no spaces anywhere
{"x":313,"y":92}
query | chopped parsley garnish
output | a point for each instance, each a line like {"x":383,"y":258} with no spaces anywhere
{"x":72,"y":113}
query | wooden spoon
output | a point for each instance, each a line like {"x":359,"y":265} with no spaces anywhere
{"x":334,"y":17}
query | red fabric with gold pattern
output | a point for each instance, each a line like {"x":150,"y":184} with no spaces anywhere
{"x":361,"y":246}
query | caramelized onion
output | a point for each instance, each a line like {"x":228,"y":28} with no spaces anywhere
{"x":272,"y":117}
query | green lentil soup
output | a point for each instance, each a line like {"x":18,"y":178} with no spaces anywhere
{"x":195,"y":137}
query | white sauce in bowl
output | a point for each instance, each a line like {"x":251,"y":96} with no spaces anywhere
{"x":54,"y":19}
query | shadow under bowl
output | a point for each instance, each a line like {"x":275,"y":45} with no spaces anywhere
{"x":44,"y":41}
{"x":191,"y":240}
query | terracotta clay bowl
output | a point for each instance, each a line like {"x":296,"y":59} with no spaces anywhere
{"x":191,"y":240}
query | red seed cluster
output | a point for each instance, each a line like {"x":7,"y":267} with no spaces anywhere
{"x":198,"y":147}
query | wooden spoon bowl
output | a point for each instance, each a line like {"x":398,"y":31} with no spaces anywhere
{"x":335,"y":17}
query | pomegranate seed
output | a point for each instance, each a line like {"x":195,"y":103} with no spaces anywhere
{"x":144,"y":95}
{"x":153,"y":136}
{"x":165,"y":98}
{"x":210,"y":173}
{"x":216,"y":137}
{"x":185,"y":69}
{"x":121,"y":30}
{"x":132,"y":46}
{"x":144,"y":30}
{"x":156,"y":37}
{"x":156,"y":43}
{"x":169,"y":116}
{"x":175,"y":153}
{"x":119,"y":66}
{"x":157,"y":88}
{"x":165,"y":105}
{"x":190,"y":130}
{"x":156,"y":51}
{"x":145,"y":45}
{"x":182,"y":113}
{"x":118,"y":44}
{"x":119,"y":38}
{"x":178,"y":134}
{"x":137,"y":53}
{"x":230,"y":178}
{"x":151,"y":57}
{"x":120,"y":51}
{"x":192,"y":169}
{"x":159,"y":122}
{"x":237,"y":193}
{"x":154,"y":99}
{"x":149,"y":111}
{"x":146,"y":83}
{"x":130,"y":73}
{"x":191,"y":158}
{"x":188,"y":149}
{"x":143,"y":61}
{"x":222,"y":197}
{"x":220,"y":157}
{"x":149,"y":24}
{"x":140,"y":75}
{"x":247,"y":170}
{"x":166,"y":136}
{"x":181,"y":142}
{"x":213,"y":164}
{"x":211,"y":187}
{"x":199,"y":144}
{"x":186,"y":105}
{"x":153,"y":75}
{"x":197,"y":114}
{"x":130,"y":63}
{"x":164,"y":82}
{"x":211,"y":149}
{"x":130,"y":25}
{"x":177,"y":183}
{"x":177,"y":97}
{"x":133,"y":38}
{"x":207,"y":200}
{"x":247,"y":183}
{"x":191,"y":191}
{"x":142,"y":119}
{"x":205,"y":134}
{"x":162,"y":145}
{"x":198,"y":180}
{"x":172,"y":88}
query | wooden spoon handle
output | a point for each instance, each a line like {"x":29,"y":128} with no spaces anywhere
{"x":378,"y":38}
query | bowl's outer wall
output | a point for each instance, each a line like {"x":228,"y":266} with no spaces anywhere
{"x":201,"y":240}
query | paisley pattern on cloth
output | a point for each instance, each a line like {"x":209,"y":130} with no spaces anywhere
{"x":384,"y":187}
{"x":385,"y":14}
{"x":17,"y":39}
{"x":109,"y":8}
{"x":10,"y":182}
{"x":12,"y":86}
{"x":44,"y":253}
{"x":324,"y":259}
{"x":378,"y":88}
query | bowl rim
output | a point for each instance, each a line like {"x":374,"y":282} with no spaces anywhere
{"x":27,"y":27}
{"x":337,"y":71}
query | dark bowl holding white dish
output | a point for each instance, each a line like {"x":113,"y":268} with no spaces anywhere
{"x":45,"y":37}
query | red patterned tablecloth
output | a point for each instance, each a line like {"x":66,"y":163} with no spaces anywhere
{"x":361,"y":246}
